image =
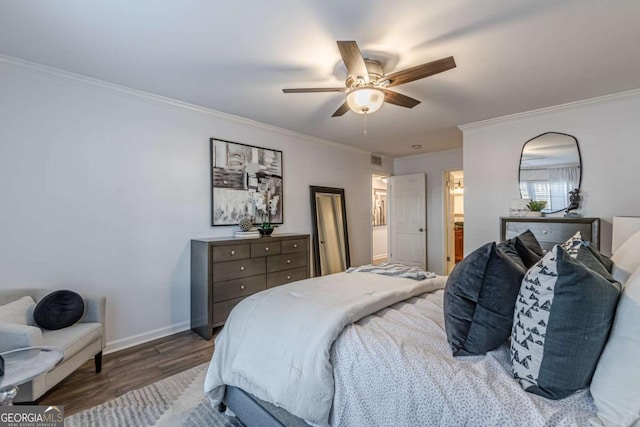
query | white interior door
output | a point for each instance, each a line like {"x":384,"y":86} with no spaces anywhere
{"x":408,"y":219}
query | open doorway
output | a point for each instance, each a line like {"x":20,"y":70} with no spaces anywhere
{"x":454,"y":218}
{"x":379,"y":216}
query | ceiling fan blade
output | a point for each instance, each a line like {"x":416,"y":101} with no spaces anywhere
{"x":340,"y":111}
{"x":353,"y":60}
{"x":399,"y":99}
{"x":420,"y":71}
{"x":315,"y":89}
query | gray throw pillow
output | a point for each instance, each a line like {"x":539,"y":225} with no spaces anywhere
{"x":528,"y":248}
{"x":479,"y":300}
{"x":508,"y":247}
{"x":563,"y":315}
{"x":575,"y":245}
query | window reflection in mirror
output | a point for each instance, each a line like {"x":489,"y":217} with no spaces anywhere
{"x":550,"y":167}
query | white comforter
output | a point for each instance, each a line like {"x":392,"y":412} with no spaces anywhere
{"x":275,"y":344}
{"x":395,"y":368}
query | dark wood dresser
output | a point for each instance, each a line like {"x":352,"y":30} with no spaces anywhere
{"x":224,"y":271}
{"x":551,"y":231}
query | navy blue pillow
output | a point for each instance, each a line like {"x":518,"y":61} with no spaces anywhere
{"x":479,"y":300}
{"x":58,"y":310}
{"x":508,"y":247}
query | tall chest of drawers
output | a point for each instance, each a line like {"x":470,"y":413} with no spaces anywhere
{"x":224,"y":271}
{"x":551,"y":231}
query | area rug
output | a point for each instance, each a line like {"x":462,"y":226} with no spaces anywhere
{"x":175,"y":401}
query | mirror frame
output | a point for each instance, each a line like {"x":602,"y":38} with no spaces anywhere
{"x":313,"y":190}
{"x":579,"y":159}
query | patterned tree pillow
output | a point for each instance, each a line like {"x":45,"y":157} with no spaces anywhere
{"x":562,"y":319}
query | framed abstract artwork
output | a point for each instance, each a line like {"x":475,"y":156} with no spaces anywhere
{"x":245,"y":181}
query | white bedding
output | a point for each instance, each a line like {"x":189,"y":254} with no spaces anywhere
{"x":275,"y":344}
{"x":395,"y":368}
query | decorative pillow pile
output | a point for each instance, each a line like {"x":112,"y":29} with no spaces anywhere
{"x":19,"y":312}
{"x":479,"y":300}
{"x":616,"y":382}
{"x":562,"y":319}
{"x":58,"y":310}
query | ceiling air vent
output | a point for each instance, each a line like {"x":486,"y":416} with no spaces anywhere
{"x":376,"y":160}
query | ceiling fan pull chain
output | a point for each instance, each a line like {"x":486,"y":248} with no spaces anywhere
{"x":365,"y":123}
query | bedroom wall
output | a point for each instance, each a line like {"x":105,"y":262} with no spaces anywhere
{"x":433,"y":164}
{"x":607,"y":130}
{"x":103,"y":187}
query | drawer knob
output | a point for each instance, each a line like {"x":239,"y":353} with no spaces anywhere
{"x":295,"y":245}
{"x":288,"y":261}
{"x":266,"y":249}
{"x":232,"y":252}
{"x":288,"y":277}
{"x":242,"y":287}
{"x":242,"y":268}
{"x":544,"y":231}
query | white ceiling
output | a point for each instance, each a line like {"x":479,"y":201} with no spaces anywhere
{"x":236,"y":56}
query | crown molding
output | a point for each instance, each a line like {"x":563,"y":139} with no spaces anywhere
{"x":104,"y":86}
{"x":553,"y":109}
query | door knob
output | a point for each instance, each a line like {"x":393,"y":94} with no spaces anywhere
{"x":421,"y":229}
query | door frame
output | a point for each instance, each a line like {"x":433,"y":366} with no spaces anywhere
{"x":445,"y":216}
{"x":387,"y":175}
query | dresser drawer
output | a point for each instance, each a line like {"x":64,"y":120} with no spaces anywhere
{"x":223,"y":271}
{"x":231,"y":252}
{"x":290,"y":246}
{"x":221,"y":310}
{"x":264,"y":249}
{"x":281,"y":277}
{"x":286,"y":261}
{"x":223,"y":291}
{"x":551,"y":231}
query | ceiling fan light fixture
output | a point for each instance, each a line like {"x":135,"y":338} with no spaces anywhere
{"x":365,"y":100}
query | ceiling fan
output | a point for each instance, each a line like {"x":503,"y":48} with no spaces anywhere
{"x":366,"y":85}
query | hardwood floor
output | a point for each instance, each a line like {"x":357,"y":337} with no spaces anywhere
{"x":129,"y":369}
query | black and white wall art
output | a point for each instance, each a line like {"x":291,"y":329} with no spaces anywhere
{"x":246,"y":181}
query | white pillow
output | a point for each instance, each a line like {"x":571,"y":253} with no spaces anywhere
{"x":616,"y":383}
{"x":19,"y":312}
{"x":626,"y":260}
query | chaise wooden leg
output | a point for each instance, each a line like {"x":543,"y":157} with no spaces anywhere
{"x":98,"y":360}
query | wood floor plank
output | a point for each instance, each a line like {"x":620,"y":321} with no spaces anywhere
{"x":140,"y":379}
{"x":193,"y":359}
{"x":128,"y":370}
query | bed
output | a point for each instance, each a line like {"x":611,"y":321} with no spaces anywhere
{"x":388,"y":364}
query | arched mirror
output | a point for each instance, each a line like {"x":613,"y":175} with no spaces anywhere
{"x":330,"y":237}
{"x":550,"y":167}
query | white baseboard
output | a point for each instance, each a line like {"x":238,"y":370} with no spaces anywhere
{"x":127,"y":342}
{"x":380,"y":256}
